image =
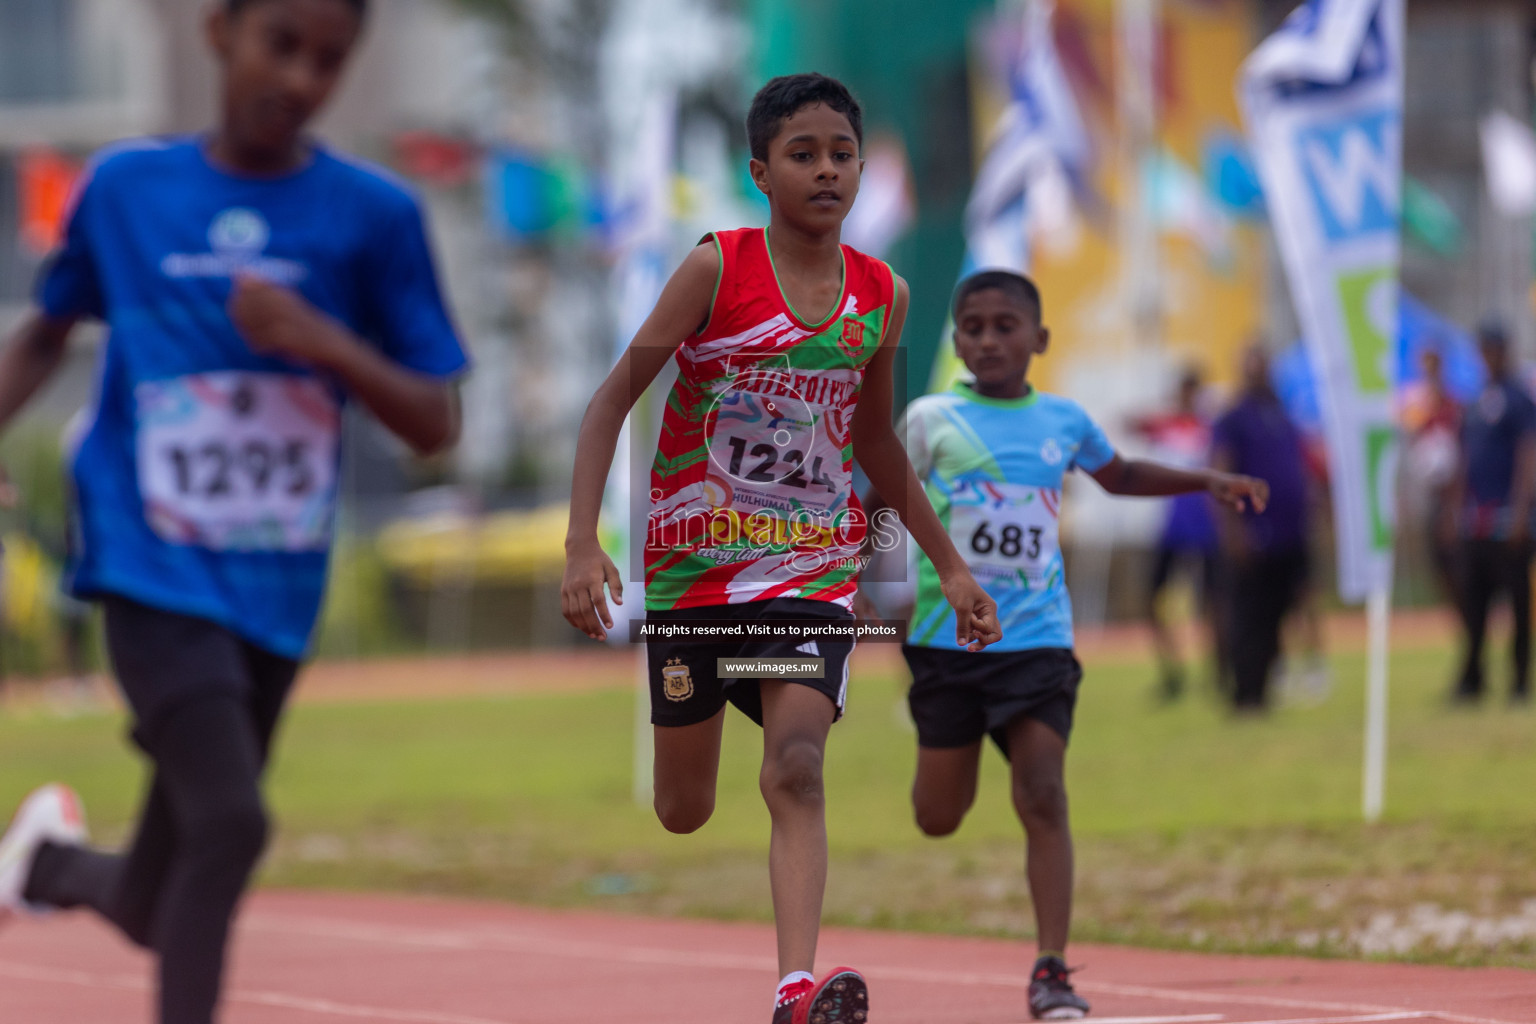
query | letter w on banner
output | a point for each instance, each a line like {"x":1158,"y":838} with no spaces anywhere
{"x":1323,"y":101}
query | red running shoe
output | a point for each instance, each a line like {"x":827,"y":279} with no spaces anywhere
{"x":841,"y":997}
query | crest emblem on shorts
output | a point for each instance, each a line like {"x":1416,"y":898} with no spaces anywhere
{"x":676,"y":680}
{"x":853,"y":337}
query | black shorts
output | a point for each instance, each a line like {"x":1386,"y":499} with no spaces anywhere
{"x":686,"y":689}
{"x":957,"y":697}
{"x":163,"y":660}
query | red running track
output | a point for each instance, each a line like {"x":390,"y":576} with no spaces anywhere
{"x":305,"y":958}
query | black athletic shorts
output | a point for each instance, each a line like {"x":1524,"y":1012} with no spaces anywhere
{"x":957,"y":697}
{"x":163,"y":660}
{"x":685,"y":688}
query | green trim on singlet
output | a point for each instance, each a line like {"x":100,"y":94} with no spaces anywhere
{"x":842,"y":295}
{"x":895,"y":294}
{"x":964,"y":388}
{"x":714,"y":297}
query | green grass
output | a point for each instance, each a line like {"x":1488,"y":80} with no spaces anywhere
{"x":1194,"y":829}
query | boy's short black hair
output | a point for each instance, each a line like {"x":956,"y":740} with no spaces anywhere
{"x":235,"y":6}
{"x":778,"y":101}
{"x":1002,"y":280}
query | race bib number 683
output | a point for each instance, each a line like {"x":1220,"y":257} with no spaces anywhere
{"x":236,"y":461}
{"x":1007,"y":533}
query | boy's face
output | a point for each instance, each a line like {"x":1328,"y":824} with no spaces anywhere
{"x":812,"y":172}
{"x":281,"y":59}
{"x":997,"y":333}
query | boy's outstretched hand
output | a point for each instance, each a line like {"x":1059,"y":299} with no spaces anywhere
{"x":581,"y":591}
{"x":975,"y":611}
{"x":1240,"y":493}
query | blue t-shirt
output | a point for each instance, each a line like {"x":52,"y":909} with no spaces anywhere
{"x":207,"y":477}
{"x":993,"y":470}
{"x":1262,"y":442}
{"x":1492,"y":430}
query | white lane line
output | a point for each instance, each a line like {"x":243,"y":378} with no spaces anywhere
{"x":1205,"y":1018}
{"x":28,"y":972}
{"x":1278,"y":1002}
{"x":1365,"y":1018}
{"x":512,"y":940}
{"x":1187,"y":1018}
{"x":283,"y":1000}
{"x":335,"y":1009}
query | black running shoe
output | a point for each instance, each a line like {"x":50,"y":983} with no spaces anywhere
{"x":1050,"y":993}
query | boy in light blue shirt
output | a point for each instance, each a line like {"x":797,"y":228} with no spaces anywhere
{"x":992,"y":455}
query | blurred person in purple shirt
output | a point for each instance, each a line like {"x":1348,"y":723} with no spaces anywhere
{"x":1264,"y":558}
{"x":1181,"y":437}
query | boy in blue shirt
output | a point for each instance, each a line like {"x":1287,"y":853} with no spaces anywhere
{"x":251,"y":281}
{"x":992,"y":455}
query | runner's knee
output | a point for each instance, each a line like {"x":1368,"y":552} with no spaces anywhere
{"x":791,"y":776}
{"x":938,"y":819}
{"x":233,"y":833}
{"x":1040,"y":801}
{"x":683,"y":813}
{"x":939,"y":811}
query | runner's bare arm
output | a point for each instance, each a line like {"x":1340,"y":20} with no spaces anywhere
{"x":1147,"y":479}
{"x":880,"y":452}
{"x":32,"y":354}
{"x":682,"y":308}
{"x":274,"y":320}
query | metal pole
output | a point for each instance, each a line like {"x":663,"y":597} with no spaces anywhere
{"x":642,"y":780}
{"x":1378,"y":629}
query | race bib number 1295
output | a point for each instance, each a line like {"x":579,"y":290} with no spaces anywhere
{"x":237,"y":461}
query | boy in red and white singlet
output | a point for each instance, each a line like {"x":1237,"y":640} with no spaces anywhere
{"x":784,"y":341}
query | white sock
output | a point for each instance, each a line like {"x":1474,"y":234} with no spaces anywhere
{"x":789,"y":979}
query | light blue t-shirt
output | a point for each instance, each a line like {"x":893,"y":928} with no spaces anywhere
{"x":207,"y":475}
{"x":993,"y":470}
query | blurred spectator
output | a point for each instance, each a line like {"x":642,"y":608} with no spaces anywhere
{"x":1181,"y":437}
{"x":1431,"y":421}
{"x":1264,"y":560}
{"x":1306,"y":678}
{"x":1494,"y":486}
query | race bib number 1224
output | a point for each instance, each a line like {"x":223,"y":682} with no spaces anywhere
{"x":237,"y":461}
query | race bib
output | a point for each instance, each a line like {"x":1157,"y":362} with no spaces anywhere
{"x":236,"y":461}
{"x":1007,"y":533}
{"x":776,"y":454}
